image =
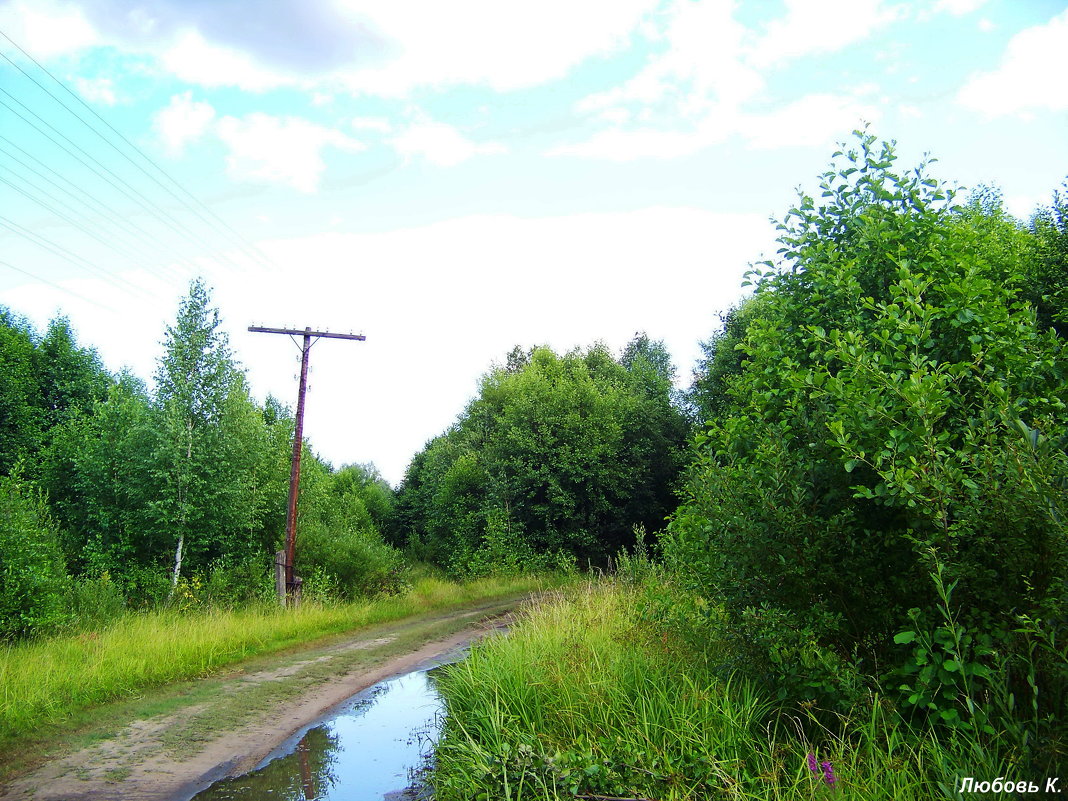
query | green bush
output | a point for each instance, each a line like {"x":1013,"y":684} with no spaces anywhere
{"x":236,"y":582}
{"x":357,"y":562}
{"x":147,"y":586}
{"x":503,"y":551}
{"x":34,"y":586}
{"x":895,"y":400}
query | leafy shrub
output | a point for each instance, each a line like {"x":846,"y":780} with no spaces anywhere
{"x":357,"y":562}
{"x":147,"y":586}
{"x":895,"y":398}
{"x":188,"y":594}
{"x":320,"y":587}
{"x":502,"y":550}
{"x":34,"y":586}
{"x":233,"y":583}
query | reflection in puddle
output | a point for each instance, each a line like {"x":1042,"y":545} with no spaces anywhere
{"x":370,"y":751}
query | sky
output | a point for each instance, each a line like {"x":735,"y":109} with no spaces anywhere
{"x":455,"y":179}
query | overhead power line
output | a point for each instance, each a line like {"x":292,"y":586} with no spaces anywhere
{"x":121,"y":250}
{"x":87,"y":198}
{"x":78,"y":295}
{"x":70,"y":198}
{"x":219,"y":224}
{"x":115,"y":180}
{"x":95,"y":207}
{"x":63,"y":253}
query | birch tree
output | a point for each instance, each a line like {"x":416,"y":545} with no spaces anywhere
{"x":193,"y":379}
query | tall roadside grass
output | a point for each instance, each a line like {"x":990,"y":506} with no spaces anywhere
{"x":584,"y":699}
{"x":46,"y":680}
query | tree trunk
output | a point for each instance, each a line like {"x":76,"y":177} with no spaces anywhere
{"x":181,"y":505}
{"x":177,"y":563}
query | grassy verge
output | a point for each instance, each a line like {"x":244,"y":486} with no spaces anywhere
{"x":46,"y":681}
{"x":583,"y":699}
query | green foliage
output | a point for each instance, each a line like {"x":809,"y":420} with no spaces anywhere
{"x":195,"y":382}
{"x":983,"y":683}
{"x":20,"y":423}
{"x":146,"y":587}
{"x":722,"y":361}
{"x":71,"y":378}
{"x":34,"y":586}
{"x":133,"y":475}
{"x":43,"y":382}
{"x":196,"y":473}
{"x":1047,"y":285}
{"x":558,"y":455}
{"x":197,"y":370}
{"x":339,"y":547}
{"x":357,"y":563}
{"x":895,"y":399}
{"x":239,"y":581}
{"x":947,"y":666}
{"x":174,"y":496}
{"x":96,"y":473}
{"x":365,"y":483}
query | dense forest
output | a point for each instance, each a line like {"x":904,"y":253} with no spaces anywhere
{"x":115,"y":496}
{"x":863,"y":490}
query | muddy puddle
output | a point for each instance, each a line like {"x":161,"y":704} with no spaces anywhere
{"x":376,"y":746}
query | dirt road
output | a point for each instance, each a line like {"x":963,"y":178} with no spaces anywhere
{"x":224,"y":726}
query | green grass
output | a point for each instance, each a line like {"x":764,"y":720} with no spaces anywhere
{"x":583,"y":698}
{"x":46,"y":681}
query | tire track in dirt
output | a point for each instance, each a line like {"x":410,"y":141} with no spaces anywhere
{"x":233,"y":721}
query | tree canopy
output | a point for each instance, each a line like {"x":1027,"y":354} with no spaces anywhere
{"x":557,"y":454}
{"x":894,"y":412}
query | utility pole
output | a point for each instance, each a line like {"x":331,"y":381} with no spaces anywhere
{"x":290,"y":593}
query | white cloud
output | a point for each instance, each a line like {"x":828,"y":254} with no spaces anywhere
{"x":97,"y":90}
{"x":959,"y":8}
{"x":192,"y":59}
{"x":616,"y":144}
{"x":47,"y":28}
{"x":383,"y":48}
{"x":710,"y":75}
{"x":1022,"y":206}
{"x":380,"y":124}
{"x":819,"y":27}
{"x":182,"y":121}
{"x":504,"y":46}
{"x":811,"y":121}
{"x":1030,"y":75}
{"x":283,"y":150}
{"x":702,"y":65}
{"x":440,"y":144}
{"x":699,"y":81}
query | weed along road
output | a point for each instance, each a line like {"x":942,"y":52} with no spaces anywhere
{"x":178,"y":740}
